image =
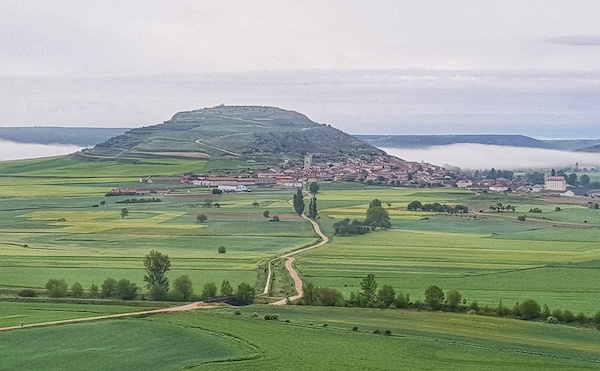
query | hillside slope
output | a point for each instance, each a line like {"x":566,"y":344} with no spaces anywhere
{"x":243,"y":132}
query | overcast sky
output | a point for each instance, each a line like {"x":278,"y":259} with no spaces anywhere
{"x":404,"y":67}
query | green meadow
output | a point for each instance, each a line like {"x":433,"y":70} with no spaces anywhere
{"x":56,"y":222}
{"x":489,"y":257}
{"x":303,"y":338}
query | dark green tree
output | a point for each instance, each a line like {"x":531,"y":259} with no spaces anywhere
{"x":434,"y":296}
{"x":157,"y":292}
{"x":310,"y":294}
{"x":107,"y":289}
{"x":77,"y":290}
{"x":94,"y":292}
{"x":125,"y":290}
{"x":414,"y":206}
{"x":368,"y":288}
{"x":56,"y":288}
{"x":244,"y":294}
{"x":183,"y":286}
{"x":201,"y":218}
{"x":266,"y":213}
{"x":584,"y":179}
{"x":386,"y":295}
{"x":572,"y":179}
{"x":226,"y":289}
{"x":453,"y":299}
{"x":312,"y":208}
{"x":529,"y":309}
{"x":298,"y":202}
{"x":124,"y":212}
{"x":313,"y":188}
{"x":209,"y":291}
{"x":157,"y":265}
{"x":377,"y":216}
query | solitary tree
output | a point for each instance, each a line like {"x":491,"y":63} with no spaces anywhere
{"x":368,"y":288}
{"x":434,"y":297}
{"x":124,"y":212}
{"x":266,"y":213}
{"x":183,"y":286}
{"x":157,"y":265}
{"x":201,"y":218}
{"x":299,"y":202}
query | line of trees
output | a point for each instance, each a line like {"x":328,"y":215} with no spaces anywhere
{"x":436,"y":207}
{"x":157,"y":265}
{"x":369,"y":296}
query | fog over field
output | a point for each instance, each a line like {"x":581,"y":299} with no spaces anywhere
{"x":16,"y":151}
{"x":481,"y":156}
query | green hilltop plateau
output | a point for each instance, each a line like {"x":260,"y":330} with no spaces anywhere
{"x":241,"y":133}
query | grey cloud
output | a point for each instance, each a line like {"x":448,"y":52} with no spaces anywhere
{"x":577,"y":40}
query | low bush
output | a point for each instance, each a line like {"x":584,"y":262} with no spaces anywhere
{"x":27,"y":293}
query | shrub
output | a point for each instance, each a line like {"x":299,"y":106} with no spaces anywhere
{"x":355,"y":328}
{"x":254,"y":315}
{"x":474,"y":306}
{"x":597,"y":318}
{"x":222,"y":250}
{"x":266,"y":213}
{"x":217,"y":191}
{"x":274,"y":218}
{"x":27,"y":293}
{"x":272,"y":317}
{"x":387,"y":332}
{"x":377,"y":331}
{"x":581,"y":318}
{"x":551,"y":319}
{"x":568,"y":316}
{"x":237,"y":312}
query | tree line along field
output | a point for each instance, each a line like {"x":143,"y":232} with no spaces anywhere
{"x":303,"y":337}
{"x":489,"y":257}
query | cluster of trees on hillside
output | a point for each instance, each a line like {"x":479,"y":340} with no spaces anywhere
{"x":501,"y":207}
{"x":437,"y":208}
{"x":376,"y":217}
{"x":435,"y":298}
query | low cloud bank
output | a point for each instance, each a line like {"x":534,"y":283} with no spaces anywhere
{"x":17,"y":151}
{"x":481,"y":156}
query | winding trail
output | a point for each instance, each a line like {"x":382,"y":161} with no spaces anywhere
{"x":290,"y":261}
{"x":180,"y":308}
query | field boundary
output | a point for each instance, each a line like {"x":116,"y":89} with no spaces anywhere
{"x":180,"y":308}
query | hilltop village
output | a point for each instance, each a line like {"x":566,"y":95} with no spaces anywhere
{"x":371,"y":170}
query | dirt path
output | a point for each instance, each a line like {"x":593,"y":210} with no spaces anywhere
{"x":290,"y":261}
{"x":181,"y":308}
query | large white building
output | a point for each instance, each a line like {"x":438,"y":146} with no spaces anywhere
{"x":555,"y":183}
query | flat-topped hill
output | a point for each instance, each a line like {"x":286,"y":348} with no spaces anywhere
{"x":243,"y":132}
